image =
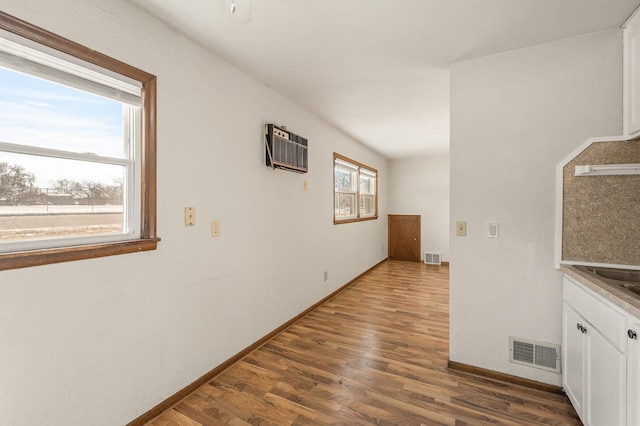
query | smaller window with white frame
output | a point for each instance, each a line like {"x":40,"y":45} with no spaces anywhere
{"x":72,"y":146}
{"x":355,"y":190}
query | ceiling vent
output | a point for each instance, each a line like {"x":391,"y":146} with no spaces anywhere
{"x":545,"y":356}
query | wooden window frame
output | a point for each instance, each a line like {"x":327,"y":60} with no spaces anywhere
{"x":147,"y":239}
{"x":359,"y":166}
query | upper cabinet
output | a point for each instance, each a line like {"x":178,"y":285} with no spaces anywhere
{"x":632,"y":75}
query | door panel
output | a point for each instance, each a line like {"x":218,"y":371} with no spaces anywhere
{"x":404,"y":237}
{"x":573,"y":357}
{"x":633,"y":374}
{"x":607,"y":382}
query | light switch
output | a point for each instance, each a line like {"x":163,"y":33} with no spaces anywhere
{"x":494,"y":230}
{"x":215,"y":228}
{"x":306,"y":185}
{"x":189,"y":216}
{"x":461,"y":229}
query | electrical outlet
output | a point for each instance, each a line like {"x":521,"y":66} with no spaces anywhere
{"x":326,"y":275}
{"x":461,"y":228}
{"x":215,"y":228}
{"x":189,"y":216}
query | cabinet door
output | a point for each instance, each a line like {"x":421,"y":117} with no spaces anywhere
{"x":633,"y":371}
{"x":606,"y":397}
{"x":632,"y":77}
{"x":573,"y":358}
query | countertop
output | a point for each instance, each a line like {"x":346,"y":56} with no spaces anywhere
{"x":620,"y":297}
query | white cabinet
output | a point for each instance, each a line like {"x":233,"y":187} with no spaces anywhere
{"x":573,"y":357}
{"x":632,"y":75}
{"x":594,"y":357}
{"x":606,"y":374}
{"x":633,"y":372}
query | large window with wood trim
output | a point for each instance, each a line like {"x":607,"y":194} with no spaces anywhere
{"x":355,"y":190}
{"x":77,"y":151}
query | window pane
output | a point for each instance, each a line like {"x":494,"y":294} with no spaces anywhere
{"x":47,"y":198}
{"x":367,"y":184}
{"x":355,"y":190}
{"x":345,"y":178}
{"x":367,"y":205}
{"x":345,"y":205}
{"x":39,"y":113}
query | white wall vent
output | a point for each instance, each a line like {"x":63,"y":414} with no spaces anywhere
{"x":545,"y":356}
{"x":431,"y":258}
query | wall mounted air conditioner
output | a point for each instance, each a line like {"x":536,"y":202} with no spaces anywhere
{"x":285,"y":150}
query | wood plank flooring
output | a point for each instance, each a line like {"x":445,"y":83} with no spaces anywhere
{"x":375,"y":354}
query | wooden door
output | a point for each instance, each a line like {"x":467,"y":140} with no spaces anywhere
{"x":404,"y":237}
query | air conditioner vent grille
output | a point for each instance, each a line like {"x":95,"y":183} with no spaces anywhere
{"x":546,"y":357}
{"x":285,"y":150}
{"x":431,"y":258}
{"x":541,"y":355}
{"x":523,"y":352}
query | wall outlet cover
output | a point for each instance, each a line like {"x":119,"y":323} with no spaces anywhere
{"x":494,"y":230}
{"x":461,"y":229}
{"x":189,"y":216}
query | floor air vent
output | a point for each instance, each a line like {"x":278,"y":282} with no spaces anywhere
{"x":541,"y":355}
{"x":432,"y":258}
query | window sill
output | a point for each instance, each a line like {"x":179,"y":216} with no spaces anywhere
{"x":25,"y":259}
{"x":358,"y":219}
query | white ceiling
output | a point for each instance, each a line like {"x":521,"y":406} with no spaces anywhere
{"x":377,"y":69}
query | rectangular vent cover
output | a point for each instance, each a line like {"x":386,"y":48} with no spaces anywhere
{"x":285,"y":150}
{"x":545,"y":356}
{"x":432,"y":258}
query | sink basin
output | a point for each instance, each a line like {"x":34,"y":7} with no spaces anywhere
{"x":632,"y":287}
{"x":626,"y":278}
{"x":627,"y":275}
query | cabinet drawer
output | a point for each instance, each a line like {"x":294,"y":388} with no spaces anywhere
{"x":611,"y":323}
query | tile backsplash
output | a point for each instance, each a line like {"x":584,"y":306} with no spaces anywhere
{"x":601,"y":214}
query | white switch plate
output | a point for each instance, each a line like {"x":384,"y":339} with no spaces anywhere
{"x":215,"y":228}
{"x":461,"y":228}
{"x":189,"y":216}
{"x":494,"y":230}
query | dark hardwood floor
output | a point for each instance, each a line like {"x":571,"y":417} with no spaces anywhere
{"x":375,"y":354}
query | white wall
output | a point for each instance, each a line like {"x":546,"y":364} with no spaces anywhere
{"x":420,"y":185}
{"x":513,"y":117}
{"x":101,"y":341}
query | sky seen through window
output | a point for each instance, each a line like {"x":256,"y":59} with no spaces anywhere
{"x":40,"y":113}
